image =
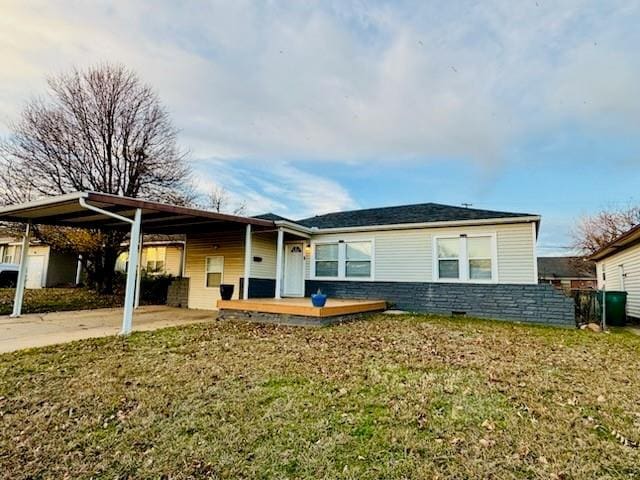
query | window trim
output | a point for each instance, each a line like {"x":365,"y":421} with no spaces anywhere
{"x":342,"y":260}
{"x":463,"y":265}
{"x":206,"y":260}
{"x":313,"y":259}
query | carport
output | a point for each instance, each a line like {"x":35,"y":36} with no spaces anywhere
{"x":92,"y":210}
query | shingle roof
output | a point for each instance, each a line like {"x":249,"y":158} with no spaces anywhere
{"x":566,"y":267}
{"x":418,"y":213}
{"x":273,"y":217}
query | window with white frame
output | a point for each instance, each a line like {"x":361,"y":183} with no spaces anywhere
{"x":214,"y":269}
{"x":465,"y":258}
{"x":448,"y":258}
{"x":480,"y":257}
{"x":358,"y":259}
{"x":11,"y":254}
{"x":155,"y":257}
{"x":350,"y":259}
{"x":327,"y":259}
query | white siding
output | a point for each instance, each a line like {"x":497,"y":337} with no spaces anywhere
{"x":630,"y":260}
{"x":407,"y":255}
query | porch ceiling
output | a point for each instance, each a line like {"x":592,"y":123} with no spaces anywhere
{"x":68,"y":210}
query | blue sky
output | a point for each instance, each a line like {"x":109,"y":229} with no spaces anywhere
{"x":308,"y":107}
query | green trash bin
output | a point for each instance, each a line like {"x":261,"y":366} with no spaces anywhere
{"x":616,"y":307}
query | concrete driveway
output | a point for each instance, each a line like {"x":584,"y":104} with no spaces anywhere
{"x":40,"y":329}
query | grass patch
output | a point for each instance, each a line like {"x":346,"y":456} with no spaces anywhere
{"x":393,"y":397}
{"x":44,"y":300}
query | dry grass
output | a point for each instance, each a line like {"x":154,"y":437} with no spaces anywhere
{"x":393,"y":397}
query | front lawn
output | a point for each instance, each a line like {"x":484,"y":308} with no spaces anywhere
{"x":393,"y":397}
{"x":43,"y":300}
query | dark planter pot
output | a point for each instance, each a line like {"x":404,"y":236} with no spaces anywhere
{"x":226,"y":291}
{"x":318,"y":299}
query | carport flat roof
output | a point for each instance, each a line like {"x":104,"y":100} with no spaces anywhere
{"x":67,"y":210}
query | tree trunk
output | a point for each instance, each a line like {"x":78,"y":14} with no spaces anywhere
{"x":109,"y":258}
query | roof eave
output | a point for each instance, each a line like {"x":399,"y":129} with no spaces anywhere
{"x":440,"y":224}
{"x":626,"y":240}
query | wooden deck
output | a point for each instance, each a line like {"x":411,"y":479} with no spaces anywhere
{"x":302,"y":306}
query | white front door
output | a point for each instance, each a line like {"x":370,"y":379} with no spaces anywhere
{"x":35,"y":271}
{"x":294,"y":269}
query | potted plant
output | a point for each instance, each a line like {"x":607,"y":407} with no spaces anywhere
{"x":226,"y":291}
{"x":318,"y":299}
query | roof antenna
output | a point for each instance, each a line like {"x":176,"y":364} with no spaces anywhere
{"x":467,"y":205}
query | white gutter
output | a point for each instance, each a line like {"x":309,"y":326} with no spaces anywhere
{"x":294,"y":226}
{"x":43,"y":202}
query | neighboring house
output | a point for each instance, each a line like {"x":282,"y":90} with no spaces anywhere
{"x":425,"y":257}
{"x":45,"y":266}
{"x":567,"y":273}
{"x":161,"y":255}
{"x":618,"y":268}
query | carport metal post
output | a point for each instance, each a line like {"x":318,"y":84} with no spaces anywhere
{"x":132,"y":266}
{"x":138,"y":278}
{"x":132,"y":270}
{"x":247,"y":262}
{"x":22,"y":273}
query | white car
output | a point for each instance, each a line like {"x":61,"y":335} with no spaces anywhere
{"x":8,"y":275}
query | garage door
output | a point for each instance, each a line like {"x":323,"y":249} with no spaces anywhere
{"x":35,"y":271}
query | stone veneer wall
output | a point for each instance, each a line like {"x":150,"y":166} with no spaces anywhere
{"x":540,"y":304}
{"x":178,"y":293}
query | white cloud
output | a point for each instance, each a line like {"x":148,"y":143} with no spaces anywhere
{"x":275,"y":187}
{"x":342,"y":80}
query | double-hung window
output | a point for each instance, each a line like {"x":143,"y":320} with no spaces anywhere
{"x":358,"y":259}
{"x":327,"y":261}
{"x":11,"y":254}
{"x":448,"y":258}
{"x":156,"y":259}
{"x":480,"y":258}
{"x":343,"y":260}
{"x":214,"y":270}
{"x":465,"y":258}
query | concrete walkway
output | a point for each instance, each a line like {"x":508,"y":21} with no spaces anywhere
{"x":38,"y":330}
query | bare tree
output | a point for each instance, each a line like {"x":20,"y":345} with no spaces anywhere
{"x":103,"y":130}
{"x":220,"y":201}
{"x":594,"y":231}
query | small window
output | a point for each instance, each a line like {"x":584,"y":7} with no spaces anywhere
{"x":156,"y":259}
{"x":213,"y":271}
{"x":448,"y":258}
{"x":11,"y":254}
{"x":479,"y":252}
{"x":358,"y":259}
{"x":326,"y":260}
